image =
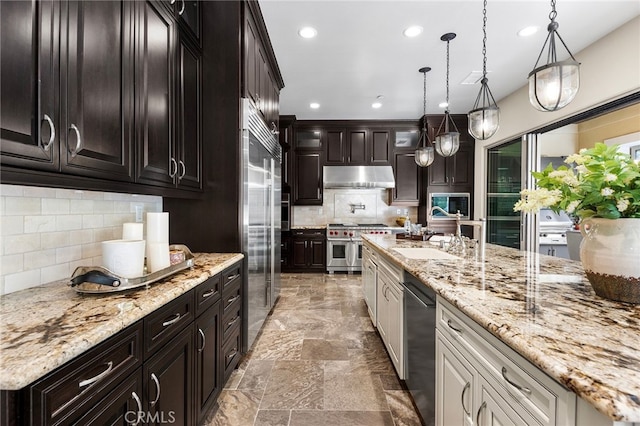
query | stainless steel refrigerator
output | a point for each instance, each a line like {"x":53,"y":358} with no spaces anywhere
{"x":261,"y":187}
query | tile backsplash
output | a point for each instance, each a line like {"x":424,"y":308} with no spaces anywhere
{"x":46,"y":232}
{"x":346,"y":206}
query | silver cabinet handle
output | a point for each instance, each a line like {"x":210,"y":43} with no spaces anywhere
{"x":173,"y":168}
{"x":482,"y":407}
{"x":98,"y":377}
{"x":232,"y":354}
{"x":78,"y":140}
{"x":183,"y":168}
{"x":466,"y":388}
{"x":52,"y":137}
{"x":233,"y":321}
{"x":171,"y":2}
{"x":182,"y":8}
{"x":155,"y":380}
{"x":208,"y":293}
{"x":232,"y":299}
{"x":232,"y":277}
{"x":139,"y":404}
{"x":204,"y":340}
{"x":449,"y":323}
{"x":515,"y":385}
{"x":172,"y":321}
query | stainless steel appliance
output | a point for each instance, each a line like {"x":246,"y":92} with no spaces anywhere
{"x":420,"y":344}
{"x":358,"y":177}
{"x":344,"y":245}
{"x":285,"y":210}
{"x":451,"y":203}
{"x":261,"y":221}
{"x":553,"y":233}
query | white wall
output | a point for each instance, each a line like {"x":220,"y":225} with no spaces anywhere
{"x":46,"y":233}
{"x":610,"y":70}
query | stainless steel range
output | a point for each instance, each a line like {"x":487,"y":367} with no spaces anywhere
{"x":553,"y":233}
{"x":344,"y":245}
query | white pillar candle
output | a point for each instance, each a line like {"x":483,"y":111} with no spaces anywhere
{"x":132,"y":231}
{"x":157,"y":227}
{"x":157,"y":256}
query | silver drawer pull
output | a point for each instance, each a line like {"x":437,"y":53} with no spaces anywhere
{"x":232,"y":277}
{"x":449,"y":323}
{"x":466,"y":388}
{"x":52,"y":136}
{"x":482,"y":407}
{"x":172,"y":321}
{"x":233,"y":353}
{"x":139,"y":404}
{"x":232,"y":299}
{"x":515,"y":385}
{"x":98,"y":377}
{"x":173,"y":167}
{"x":208,"y":293}
{"x":182,"y":8}
{"x":183,"y":168}
{"x":233,"y":321}
{"x":155,"y":380}
{"x":204,"y":340}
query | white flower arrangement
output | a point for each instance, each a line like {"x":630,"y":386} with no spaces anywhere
{"x":604,"y":183}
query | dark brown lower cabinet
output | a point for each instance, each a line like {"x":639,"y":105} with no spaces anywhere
{"x":122,"y":406}
{"x":168,"y":381}
{"x":143,"y":375}
{"x":208,"y":380}
{"x":308,"y":251}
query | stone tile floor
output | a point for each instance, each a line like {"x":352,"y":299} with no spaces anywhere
{"x":317,"y":362}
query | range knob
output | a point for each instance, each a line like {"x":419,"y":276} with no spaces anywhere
{"x":345,"y":232}
{"x":351,"y":234}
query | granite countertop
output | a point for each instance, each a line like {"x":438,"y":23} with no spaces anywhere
{"x":545,"y":309}
{"x":43,"y":327}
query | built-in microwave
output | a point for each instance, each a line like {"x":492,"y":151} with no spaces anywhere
{"x":450,"y":202}
{"x":286,"y":212}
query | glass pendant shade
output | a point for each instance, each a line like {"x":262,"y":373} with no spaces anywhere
{"x":424,"y":156}
{"x":447,"y":144}
{"x":553,"y":86}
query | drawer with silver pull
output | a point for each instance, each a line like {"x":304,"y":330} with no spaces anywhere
{"x":231,"y":297}
{"x":62,"y":396}
{"x":163,"y":324}
{"x":231,"y":353}
{"x":208,"y":293}
{"x":522,"y":383}
{"x":232,"y":275}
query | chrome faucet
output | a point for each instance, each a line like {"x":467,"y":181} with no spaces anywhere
{"x":458,"y":243}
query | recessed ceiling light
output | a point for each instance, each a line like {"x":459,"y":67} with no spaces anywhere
{"x":443,"y":104}
{"x":413,"y":31}
{"x":527,"y":31}
{"x":314,"y":105}
{"x":307,"y":32}
{"x":376,"y":105}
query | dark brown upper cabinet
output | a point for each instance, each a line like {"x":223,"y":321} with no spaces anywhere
{"x":90,"y":131}
{"x":168,"y":81}
{"x":408,"y":176}
{"x":188,"y":15}
{"x":380,"y":147}
{"x":455,"y":173}
{"x":307,"y":187}
{"x":335,"y":147}
{"x":357,"y":146}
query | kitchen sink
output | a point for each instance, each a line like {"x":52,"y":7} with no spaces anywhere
{"x":424,"y":253}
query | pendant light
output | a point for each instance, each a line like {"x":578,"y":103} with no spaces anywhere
{"x":484,"y":118}
{"x":447,"y":143}
{"x":424,"y":153}
{"x":554,"y":85}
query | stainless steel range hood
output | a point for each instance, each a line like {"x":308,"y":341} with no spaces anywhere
{"x":358,"y":177}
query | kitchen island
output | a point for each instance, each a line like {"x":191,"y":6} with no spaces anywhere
{"x":544,"y":309}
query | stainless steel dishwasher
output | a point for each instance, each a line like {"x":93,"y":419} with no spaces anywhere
{"x":420,"y":344}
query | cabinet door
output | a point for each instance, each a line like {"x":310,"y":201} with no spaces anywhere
{"x":263,"y":82}
{"x":380,"y":148}
{"x":299,"y":252}
{"x":438,"y":171}
{"x":395,"y":331}
{"x":357,"y":147}
{"x":369,"y":283}
{"x":189,"y":145}
{"x":317,"y":253}
{"x":154,"y":75}
{"x":120,"y":407}
{"x":208,"y":381}
{"x":382,"y":307}
{"x":29,"y":34}
{"x":494,"y":411}
{"x":168,"y":380}
{"x":251,"y":71}
{"x":189,"y":15}
{"x":454,"y":387}
{"x":462,"y":168}
{"x":308,"y":177}
{"x":335,"y":146}
{"x":407,"y":174}
{"x":97,"y":139}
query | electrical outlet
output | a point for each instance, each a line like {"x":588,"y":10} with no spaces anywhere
{"x":398,"y":211}
{"x":138,"y":208}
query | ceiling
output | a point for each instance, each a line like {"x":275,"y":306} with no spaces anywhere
{"x":360,"y":51}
